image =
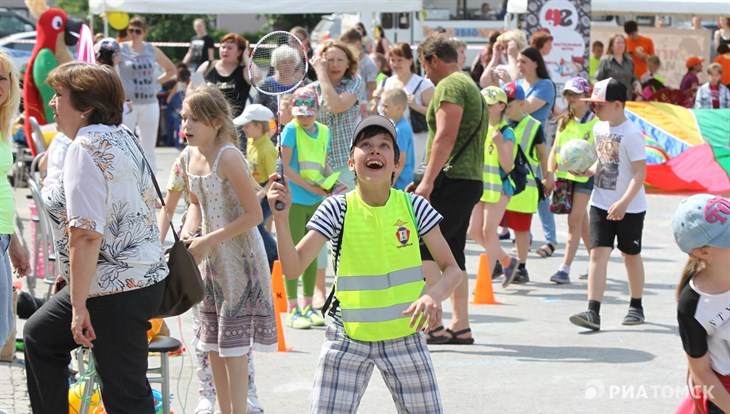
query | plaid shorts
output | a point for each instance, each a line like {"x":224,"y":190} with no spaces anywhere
{"x":345,"y":366}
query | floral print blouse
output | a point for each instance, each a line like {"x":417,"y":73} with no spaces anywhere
{"x":106,"y":187}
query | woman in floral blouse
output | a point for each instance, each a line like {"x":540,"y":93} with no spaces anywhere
{"x":102,"y":209}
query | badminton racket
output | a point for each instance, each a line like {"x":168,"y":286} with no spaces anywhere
{"x":278,"y":66}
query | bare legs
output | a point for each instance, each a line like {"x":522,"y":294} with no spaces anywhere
{"x":230,"y":375}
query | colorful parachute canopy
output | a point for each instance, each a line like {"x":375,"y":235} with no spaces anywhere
{"x":687,"y":149}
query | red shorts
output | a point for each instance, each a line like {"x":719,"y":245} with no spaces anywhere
{"x":518,"y":221}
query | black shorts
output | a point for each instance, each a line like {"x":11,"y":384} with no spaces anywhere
{"x":626,"y":232}
{"x":454,"y":200}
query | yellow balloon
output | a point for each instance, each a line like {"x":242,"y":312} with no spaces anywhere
{"x":118,"y":20}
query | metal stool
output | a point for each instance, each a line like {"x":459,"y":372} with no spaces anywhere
{"x":160,"y":345}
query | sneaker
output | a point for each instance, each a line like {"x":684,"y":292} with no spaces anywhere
{"x":583,"y":276}
{"x":253,"y":406}
{"x":296,"y":320}
{"x":509,"y":272}
{"x":588,"y":319}
{"x":315,"y":318}
{"x":634,"y":317}
{"x":205,"y":406}
{"x":560,"y":278}
{"x":504,"y":236}
{"x":497,"y":272}
{"x":521,"y":276}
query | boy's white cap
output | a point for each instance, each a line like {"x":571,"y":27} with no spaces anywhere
{"x":254,"y":112}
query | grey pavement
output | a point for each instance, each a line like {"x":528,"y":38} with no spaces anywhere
{"x":527,"y":356}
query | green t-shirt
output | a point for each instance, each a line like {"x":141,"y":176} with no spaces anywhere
{"x":460,"y":89}
{"x":7,"y":202}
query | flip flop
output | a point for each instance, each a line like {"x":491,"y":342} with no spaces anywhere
{"x":546,"y":250}
{"x":432,"y":339}
{"x":454,"y":340}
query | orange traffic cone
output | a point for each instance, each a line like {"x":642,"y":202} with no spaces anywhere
{"x":483,"y":292}
{"x":277,"y":287}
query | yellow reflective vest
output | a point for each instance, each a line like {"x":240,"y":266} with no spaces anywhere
{"x":526,"y":201}
{"x":574,"y":130}
{"x":492,"y":174}
{"x":312,"y":156}
{"x":379,"y":274}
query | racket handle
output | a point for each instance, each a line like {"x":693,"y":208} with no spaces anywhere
{"x":279,"y":205}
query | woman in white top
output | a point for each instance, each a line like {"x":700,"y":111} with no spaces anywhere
{"x":137,"y":70}
{"x":103,"y":219}
{"x":419,"y":89}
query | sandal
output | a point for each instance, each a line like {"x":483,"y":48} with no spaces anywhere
{"x":455,"y":340}
{"x":546,"y":250}
{"x":432,"y":339}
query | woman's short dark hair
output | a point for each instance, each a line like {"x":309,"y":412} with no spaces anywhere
{"x":534,"y":55}
{"x":94,"y":88}
{"x":237,"y":40}
{"x":138,"y":21}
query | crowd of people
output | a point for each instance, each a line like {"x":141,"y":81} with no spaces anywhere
{"x":348,"y":145}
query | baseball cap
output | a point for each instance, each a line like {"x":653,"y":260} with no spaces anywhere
{"x":693,"y":60}
{"x":106,"y":45}
{"x":254,"y":112}
{"x":608,"y":90}
{"x":493,"y":94}
{"x":702,"y":220}
{"x":376,"y":121}
{"x":304,"y":102}
{"x":513,"y":92}
{"x":577,"y":85}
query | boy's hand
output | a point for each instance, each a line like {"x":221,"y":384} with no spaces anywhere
{"x":427,"y":309}
{"x":548,"y":183}
{"x":617,"y":211}
{"x":279,"y":192}
{"x":497,"y":137}
{"x":19,"y":257}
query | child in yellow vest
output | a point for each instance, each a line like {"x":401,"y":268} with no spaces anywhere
{"x":377,"y":320}
{"x":304,"y":145}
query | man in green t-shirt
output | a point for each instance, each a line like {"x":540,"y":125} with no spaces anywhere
{"x":457,"y":125}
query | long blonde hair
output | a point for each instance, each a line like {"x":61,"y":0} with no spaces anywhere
{"x":694,"y":265}
{"x":208,"y":104}
{"x":10,"y":102}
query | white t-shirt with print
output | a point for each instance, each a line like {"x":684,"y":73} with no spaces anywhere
{"x":617,"y":148}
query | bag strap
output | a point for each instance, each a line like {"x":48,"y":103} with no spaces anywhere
{"x":329,"y":302}
{"x":456,"y":156}
{"x":417,"y":86}
{"x":211,"y":65}
{"x":157,"y":186}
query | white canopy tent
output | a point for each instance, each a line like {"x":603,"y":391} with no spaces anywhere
{"x":646,"y":7}
{"x":252,"y":7}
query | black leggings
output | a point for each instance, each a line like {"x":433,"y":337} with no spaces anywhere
{"x":120,"y":322}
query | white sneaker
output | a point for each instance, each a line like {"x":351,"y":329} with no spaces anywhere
{"x":205,"y":406}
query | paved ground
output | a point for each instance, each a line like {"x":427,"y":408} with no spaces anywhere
{"x":527,"y":356}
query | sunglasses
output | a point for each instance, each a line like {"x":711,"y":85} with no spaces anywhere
{"x":309,"y":103}
{"x":135,"y":31}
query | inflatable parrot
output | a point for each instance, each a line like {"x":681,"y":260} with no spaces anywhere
{"x":55,"y":32}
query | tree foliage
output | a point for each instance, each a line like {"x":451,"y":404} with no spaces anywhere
{"x":179,"y":27}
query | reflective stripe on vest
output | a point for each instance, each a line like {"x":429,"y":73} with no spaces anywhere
{"x":312,"y":156}
{"x":574,"y":130}
{"x":379,"y":274}
{"x":492,"y":172}
{"x":526,"y":201}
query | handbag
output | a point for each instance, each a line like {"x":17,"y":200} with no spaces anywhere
{"x":421,"y":169}
{"x":418,"y":120}
{"x":184,"y":287}
{"x":562,"y":199}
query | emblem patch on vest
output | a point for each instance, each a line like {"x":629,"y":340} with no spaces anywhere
{"x":402,"y":234}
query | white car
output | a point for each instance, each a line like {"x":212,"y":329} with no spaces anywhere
{"x":19,"y":47}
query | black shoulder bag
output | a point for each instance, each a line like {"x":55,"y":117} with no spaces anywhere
{"x":421,"y":170}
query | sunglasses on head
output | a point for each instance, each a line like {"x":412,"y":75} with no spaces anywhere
{"x":135,"y":31}
{"x":309,"y":103}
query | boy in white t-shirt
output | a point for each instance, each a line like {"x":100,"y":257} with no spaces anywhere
{"x":618,"y":202}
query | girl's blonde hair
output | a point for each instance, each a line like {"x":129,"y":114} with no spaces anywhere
{"x":208,"y":104}
{"x":694,"y":265}
{"x":568,"y":116}
{"x":10,"y":103}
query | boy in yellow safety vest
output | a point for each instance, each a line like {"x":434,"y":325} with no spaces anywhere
{"x":379,"y":304}
{"x":530,"y":136}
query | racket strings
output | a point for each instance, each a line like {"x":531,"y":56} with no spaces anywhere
{"x":278,"y":64}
